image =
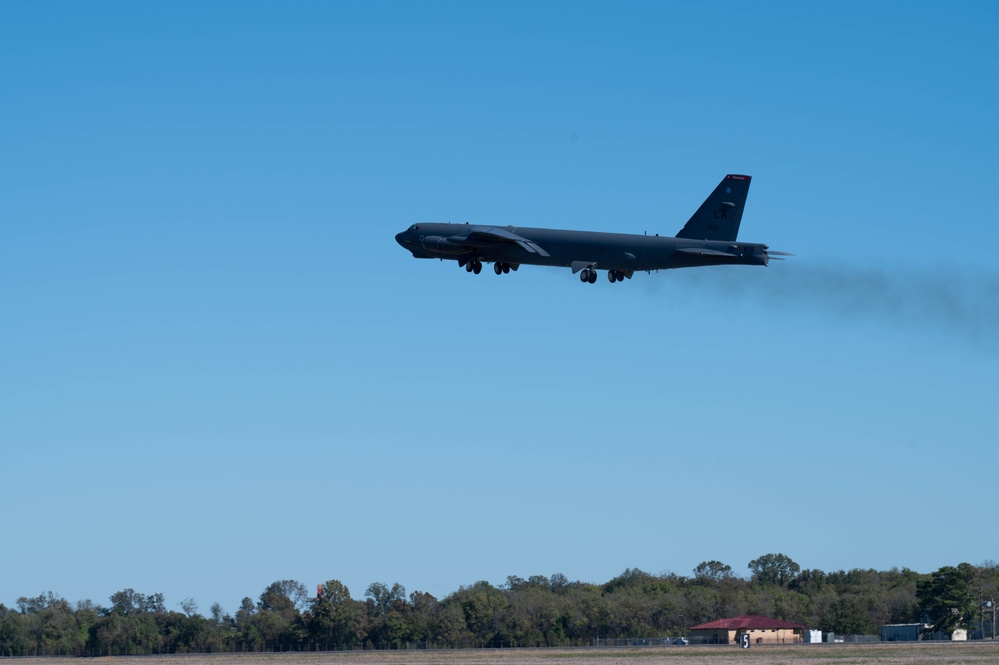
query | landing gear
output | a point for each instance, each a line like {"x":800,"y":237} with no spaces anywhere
{"x":500,"y":267}
{"x":588,"y":275}
{"x":617,"y":275}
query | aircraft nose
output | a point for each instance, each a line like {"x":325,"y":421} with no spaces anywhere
{"x":401,"y":238}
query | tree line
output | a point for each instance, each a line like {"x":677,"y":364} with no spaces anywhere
{"x":537,"y":611}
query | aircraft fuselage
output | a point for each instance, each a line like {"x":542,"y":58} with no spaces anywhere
{"x":709,"y":238}
{"x":610,"y":251}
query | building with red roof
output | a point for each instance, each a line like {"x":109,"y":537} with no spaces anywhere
{"x":761,"y":630}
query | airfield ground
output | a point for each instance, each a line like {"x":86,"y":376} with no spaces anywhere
{"x":953,"y":653}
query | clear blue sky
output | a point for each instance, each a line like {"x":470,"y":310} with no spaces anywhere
{"x":218,"y":369}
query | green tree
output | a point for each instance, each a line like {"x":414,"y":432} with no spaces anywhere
{"x":629,"y":579}
{"x":383,"y":596}
{"x":277,"y":619}
{"x":219,"y":621}
{"x":129,"y":602}
{"x":515,"y":583}
{"x":482,"y":605}
{"x":51,"y":625}
{"x":247,"y":637}
{"x":539,"y":582}
{"x":712,"y":572}
{"x":450,"y":627}
{"x":190,"y":606}
{"x":180,"y":633}
{"x":559,"y":582}
{"x":700,"y":603}
{"x":87,"y":614}
{"x":289,"y":597}
{"x":947,"y":597}
{"x":587,"y":613}
{"x":423,"y":620}
{"x":387,"y":618}
{"x":331,"y":621}
{"x":535,"y":616}
{"x":809,"y":581}
{"x":13,"y":636}
{"x":776,"y":569}
{"x":848,"y":616}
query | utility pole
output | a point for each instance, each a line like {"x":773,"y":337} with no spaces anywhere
{"x":985,"y":606}
{"x":993,"y":603}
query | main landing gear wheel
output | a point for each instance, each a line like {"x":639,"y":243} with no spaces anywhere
{"x":616,"y":276}
{"x":474,"y":266}
{"x":588,"y":275}
{"x":501,"y":268}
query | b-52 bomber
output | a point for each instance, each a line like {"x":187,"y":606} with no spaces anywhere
{"x":707,"y":239}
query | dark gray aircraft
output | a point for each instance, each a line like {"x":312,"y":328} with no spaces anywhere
{"x":707,"y":239}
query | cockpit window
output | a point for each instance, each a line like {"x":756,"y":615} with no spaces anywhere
{"x":414,"y":227}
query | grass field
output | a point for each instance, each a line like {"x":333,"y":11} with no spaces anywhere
{"x":952,"y":653}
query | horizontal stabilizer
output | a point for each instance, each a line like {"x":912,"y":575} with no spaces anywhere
{"x":701,"y":251}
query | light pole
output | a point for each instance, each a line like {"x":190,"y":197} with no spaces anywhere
{"x":991,"y":604}
{"x":986,"y":606}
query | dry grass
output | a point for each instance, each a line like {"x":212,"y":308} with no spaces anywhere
{"x":953,"y":653}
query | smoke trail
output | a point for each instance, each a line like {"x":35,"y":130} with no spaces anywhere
{"x":958,"y":302}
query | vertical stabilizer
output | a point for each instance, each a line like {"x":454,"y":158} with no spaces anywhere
{"x":719,"y":216}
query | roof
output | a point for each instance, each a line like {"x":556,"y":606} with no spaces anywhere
{"x":748,"y":622}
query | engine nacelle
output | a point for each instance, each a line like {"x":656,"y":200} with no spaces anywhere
{"x":442,"y":244}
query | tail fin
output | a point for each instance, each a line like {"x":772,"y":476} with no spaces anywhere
{"x":719,"y":216}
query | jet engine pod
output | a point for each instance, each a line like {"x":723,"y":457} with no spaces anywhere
{"x":441,"y":244}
